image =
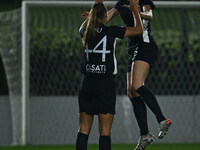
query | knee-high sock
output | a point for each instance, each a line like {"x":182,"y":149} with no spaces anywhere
{"x":81,"y":141}
{"x":151,"y":102}
{"x":140,"y":112}
{"x":104,"y":143}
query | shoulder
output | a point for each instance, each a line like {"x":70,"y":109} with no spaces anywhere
{"x":114,"y":28}
{"x":116,"y":31}
{"x":107,"y":28}
{"x":113,"y":31}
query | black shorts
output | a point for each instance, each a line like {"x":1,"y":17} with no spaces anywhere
{"x":147,"y":52}
{"x":97,"y":96}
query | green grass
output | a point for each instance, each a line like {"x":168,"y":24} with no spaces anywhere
{"x":114,"y":147}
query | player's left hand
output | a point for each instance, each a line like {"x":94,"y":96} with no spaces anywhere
{"x":85,"y":15}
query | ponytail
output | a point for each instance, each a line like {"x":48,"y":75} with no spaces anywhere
{"x":96,"y":13}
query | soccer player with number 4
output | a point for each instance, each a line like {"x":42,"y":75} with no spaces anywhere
{"x":97,"y":95}
{"x":143,"y":53}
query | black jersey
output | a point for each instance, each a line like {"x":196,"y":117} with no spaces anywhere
{"x":127,"y":18}
{"x":99,"y":55}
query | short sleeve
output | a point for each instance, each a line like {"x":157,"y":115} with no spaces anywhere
{"x":118,"y":31}
{"x":148,"y":2}
{"x":82,"y":30}
{"x":120,"y":3}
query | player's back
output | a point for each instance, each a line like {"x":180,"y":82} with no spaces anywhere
{"x":99,"y":54}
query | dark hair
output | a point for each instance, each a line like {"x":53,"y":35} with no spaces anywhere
{"x":96,"y":13}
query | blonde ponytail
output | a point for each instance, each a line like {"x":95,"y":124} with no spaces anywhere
{"x":96,"y":13}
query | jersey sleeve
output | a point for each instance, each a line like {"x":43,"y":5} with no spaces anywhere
{"x":118,"y":31}
{"x":148,"y":2}
{"x":120,"y":3}
{"x":82,"y":31}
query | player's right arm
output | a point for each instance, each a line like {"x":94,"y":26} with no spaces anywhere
{"x":111,"y":14}
{"x":138,"y":29}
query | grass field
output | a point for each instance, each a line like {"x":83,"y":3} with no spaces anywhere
{"x":114,"y":147}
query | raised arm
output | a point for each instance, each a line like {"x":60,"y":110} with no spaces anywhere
{"x":147,"y":13}
{"x":111,"y":14}
{"x":81,"y":29}
{"x":138,"y":29}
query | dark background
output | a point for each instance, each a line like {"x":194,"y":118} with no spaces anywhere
{"x":17,"y":3}
{"x":6,"y":5}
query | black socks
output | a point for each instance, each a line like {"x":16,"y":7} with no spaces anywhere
{"x":151,"y":102}
{"x":81,"y":141}
{"x":140,"y":112}
{"x":104,"y":143}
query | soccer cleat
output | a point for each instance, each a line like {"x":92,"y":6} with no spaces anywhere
{"x":144,"y":141}
{"x":164,"y":127}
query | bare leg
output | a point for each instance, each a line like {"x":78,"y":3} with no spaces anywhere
{"x":85,"y":123}
{"x":105,"y":124}
{"x":136,"y":77}
{"x":139,"y":73}
{"x":130,"y":92}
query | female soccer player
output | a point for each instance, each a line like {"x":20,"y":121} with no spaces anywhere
{"x":97,"y":94}
{"x":143,"y":53}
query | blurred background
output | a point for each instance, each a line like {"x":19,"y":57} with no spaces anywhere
{"x":54,"y":47}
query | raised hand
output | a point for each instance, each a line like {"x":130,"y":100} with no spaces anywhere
{"x":85,"y":15}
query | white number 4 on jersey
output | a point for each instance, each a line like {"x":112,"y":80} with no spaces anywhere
{"x":103,"y":51}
